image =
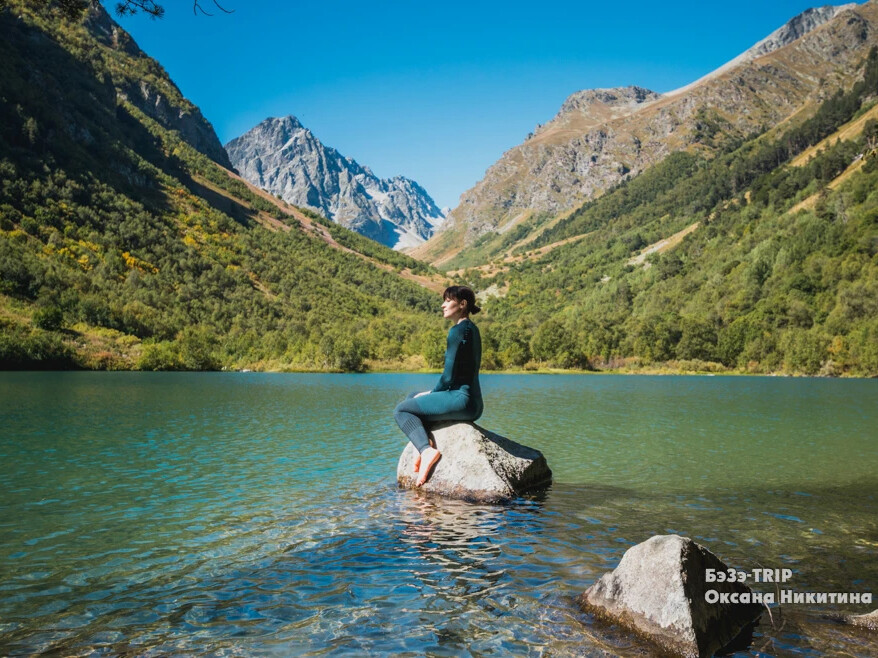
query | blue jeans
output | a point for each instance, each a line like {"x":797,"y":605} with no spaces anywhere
{"x":412,"y":414}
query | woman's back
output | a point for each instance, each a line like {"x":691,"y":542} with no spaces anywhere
{"x":463,"y":356}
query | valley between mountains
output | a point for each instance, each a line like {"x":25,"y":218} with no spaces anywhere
{"x":729,"y":226}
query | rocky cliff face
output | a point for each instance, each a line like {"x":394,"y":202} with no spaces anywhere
{"x":285,"y":158}
{"x":602,"y":135}
{"x":600,"y":105}
{"x":798,"y":26}
{"x":148,"y":87}
{"x":808,"y":20}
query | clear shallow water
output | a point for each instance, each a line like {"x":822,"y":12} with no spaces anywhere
{"x":258,"y":514}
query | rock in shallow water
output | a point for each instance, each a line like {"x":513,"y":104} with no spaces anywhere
{"x":869,"y":620}
{"x":658,"y":591}
{"x":477,"y":465}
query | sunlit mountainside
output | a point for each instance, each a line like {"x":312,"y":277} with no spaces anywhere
{"x":601,"y":137}
{"x":762,"y":257}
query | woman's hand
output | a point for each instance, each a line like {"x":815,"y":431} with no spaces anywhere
{"x":424,"y":393}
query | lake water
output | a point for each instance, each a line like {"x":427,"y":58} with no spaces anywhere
{"x":246,"y":513}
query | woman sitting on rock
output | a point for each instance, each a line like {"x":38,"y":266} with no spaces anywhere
{"x":457,"y":396}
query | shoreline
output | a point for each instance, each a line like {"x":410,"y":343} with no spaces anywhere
{"x":651,"y":371}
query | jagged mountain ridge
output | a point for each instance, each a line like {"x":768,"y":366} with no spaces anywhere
{"x":283,"y":157}
{"x":152,"y":91}
{"x":601,"y":136}
{"x":796,"y":27}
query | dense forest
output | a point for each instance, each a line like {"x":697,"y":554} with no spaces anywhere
{"x":779,"y":275}
{"x":122,"y":246}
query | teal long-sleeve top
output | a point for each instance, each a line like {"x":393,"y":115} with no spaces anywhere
{"x":463,"y":355}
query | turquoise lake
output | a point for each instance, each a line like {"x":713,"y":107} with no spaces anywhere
{"x":258,"y":514}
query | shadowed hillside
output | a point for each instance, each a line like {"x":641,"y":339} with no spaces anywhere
{"x":125,"y":242}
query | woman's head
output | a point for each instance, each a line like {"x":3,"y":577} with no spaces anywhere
{"x":460,"y":301}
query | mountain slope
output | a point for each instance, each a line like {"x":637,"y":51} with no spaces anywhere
{"x":601,"y":137}
{"x":143,"y":82}
{"x":286,"y":159}
{"x":756,"y":260}
{"x":122,"y":245}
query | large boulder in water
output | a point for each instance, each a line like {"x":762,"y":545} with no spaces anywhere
{"x":659,"y":592}
{"x":476,"y":465}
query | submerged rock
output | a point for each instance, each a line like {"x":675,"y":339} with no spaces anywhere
{"x":658,"y":591}
{"x":869,"y":620}
{"x":476,"y":465}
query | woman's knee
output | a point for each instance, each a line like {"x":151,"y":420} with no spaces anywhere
{"x":407,"y":406}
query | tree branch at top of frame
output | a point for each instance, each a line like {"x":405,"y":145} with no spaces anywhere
{"x":74,"y":8}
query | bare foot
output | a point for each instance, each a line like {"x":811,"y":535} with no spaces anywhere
{"x":431,"y":456}
{"x":417,"y":454}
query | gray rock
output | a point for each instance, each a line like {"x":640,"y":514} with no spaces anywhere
{"x":626,"y":98}
{"x":285,"y":158}
{"x":869,"y":620}
{"x":798,"y":26}
{"x":156,"y":96}
{"x":477,"y":465}
{"x":658,"y":591}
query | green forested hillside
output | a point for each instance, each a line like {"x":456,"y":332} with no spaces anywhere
{"x":122,"y":246}
{"x":780,"y":274}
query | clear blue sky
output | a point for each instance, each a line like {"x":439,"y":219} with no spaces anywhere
{"x":436,"y":91}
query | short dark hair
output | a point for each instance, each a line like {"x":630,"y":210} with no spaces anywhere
{"x":459,"y":293}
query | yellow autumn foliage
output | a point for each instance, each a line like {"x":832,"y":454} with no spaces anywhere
{"x":132,"y":262}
